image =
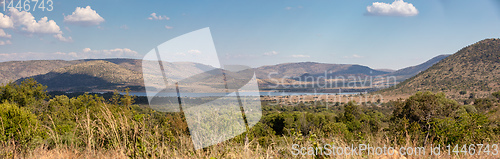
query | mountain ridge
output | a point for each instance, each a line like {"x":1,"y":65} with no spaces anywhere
{"x":473,"y":69}
{"x":131,"y":70}
{"x":407,"y":72}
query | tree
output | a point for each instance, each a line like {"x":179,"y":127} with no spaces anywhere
{"x":18,"y":124}
{"x":351,"y":116}
{"x":463,"y":92}
{"x":28,"y":93}
{"x":421,"y":109}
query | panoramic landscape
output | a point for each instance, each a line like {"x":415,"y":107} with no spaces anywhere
{"x":371,"y":79}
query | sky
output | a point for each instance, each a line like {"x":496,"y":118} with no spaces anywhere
{"x":375,"y":33}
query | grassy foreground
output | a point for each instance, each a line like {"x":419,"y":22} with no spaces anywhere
{"x":35,"y":125}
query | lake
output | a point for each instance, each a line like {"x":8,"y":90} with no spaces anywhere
{"x":241,"y":94}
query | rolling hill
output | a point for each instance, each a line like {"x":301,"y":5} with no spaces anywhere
{"x":411,"y":71}
{"x":88,"y":76}
{"x":14,"y":70}
{"x":109,"y":74}
{"x":313,"y":69}
{"x":473,"y":69}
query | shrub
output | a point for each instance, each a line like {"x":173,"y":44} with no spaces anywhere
{"x":28,"y":93}
{"x":422,"y":107}
{"x":432,"y":118}
{"x":418,"y":113}
{"x":463,"y":92}
{"x":466,"y":129}
{"x":496,"y":94}
{"x":18,"y":124}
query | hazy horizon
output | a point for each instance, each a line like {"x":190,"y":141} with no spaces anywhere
{"x":213,"y":66}
{"x":383,"y":34}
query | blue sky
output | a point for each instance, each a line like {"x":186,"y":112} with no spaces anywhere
{"x":256,"y":32}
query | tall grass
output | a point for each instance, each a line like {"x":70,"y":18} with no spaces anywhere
{"x":113,"y":135}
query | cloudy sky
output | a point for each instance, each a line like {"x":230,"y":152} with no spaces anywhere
{"x":376,"y":33}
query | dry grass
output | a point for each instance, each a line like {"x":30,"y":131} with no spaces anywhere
{"x":133,"y":139}
{"x":278,"y":149}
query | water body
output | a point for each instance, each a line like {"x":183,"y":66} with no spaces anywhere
{"x":241,"y":94}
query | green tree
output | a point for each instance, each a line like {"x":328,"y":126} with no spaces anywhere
{"x":18,"y":124}
{"x":421,"y":109}
{"x":28,"y":93}
{"x":351,"y":117}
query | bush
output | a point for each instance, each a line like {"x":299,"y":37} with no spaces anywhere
{"x":422,"y":107}
{"x":466,"y":129}
{"x":18,"y":124}
{"x":496,"y":94}
{"x":463,"y":92}
{"x":431,"y":118}
{"x":28,"y":93}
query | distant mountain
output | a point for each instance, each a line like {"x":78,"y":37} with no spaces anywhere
{"x":408,"y":72}
{"x":13,"y":70}
{"x":385,"y":70}
{"x":100,"y":74}
{"x":109,"y":74}
{"x":314,"y":69}
{"x":87,"y":76}
{"x":473,"y":69}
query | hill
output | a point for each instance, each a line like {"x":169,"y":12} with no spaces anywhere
{"x":128,"y":72}
{"x":386,"y":70}
{"x":313,"y":69}
{"x":473,"y":69}
{"x":13,"y":70}
{"x":411,"y":71}
{"x":91,"y":75}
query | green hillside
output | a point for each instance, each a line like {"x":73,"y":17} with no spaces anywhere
{"x":473,"y":69}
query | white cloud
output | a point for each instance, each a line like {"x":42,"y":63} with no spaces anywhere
{"x":3,"y":34}
{"x":7,"y":42}
{"x":62,"y":38}
{"x":168,"y":27}
{"x":84,"y":17}
{"x":354,"y":56}
{"x":300,"y":56}
{"x":357,"y":56}
{"x":396,"y":8}
{"x":158,"y":17}
{"x":87,"y":50}
{"x":28,"y":23}
{"x":118,"y":52}
{"x":86,"y":53}
{"x":270,"y":53}
{"x":37,"y":56}
{"x":6,"y":21}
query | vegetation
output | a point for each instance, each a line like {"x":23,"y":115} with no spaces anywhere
{"x":473,"y":69}
{"x":34,"y":125}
